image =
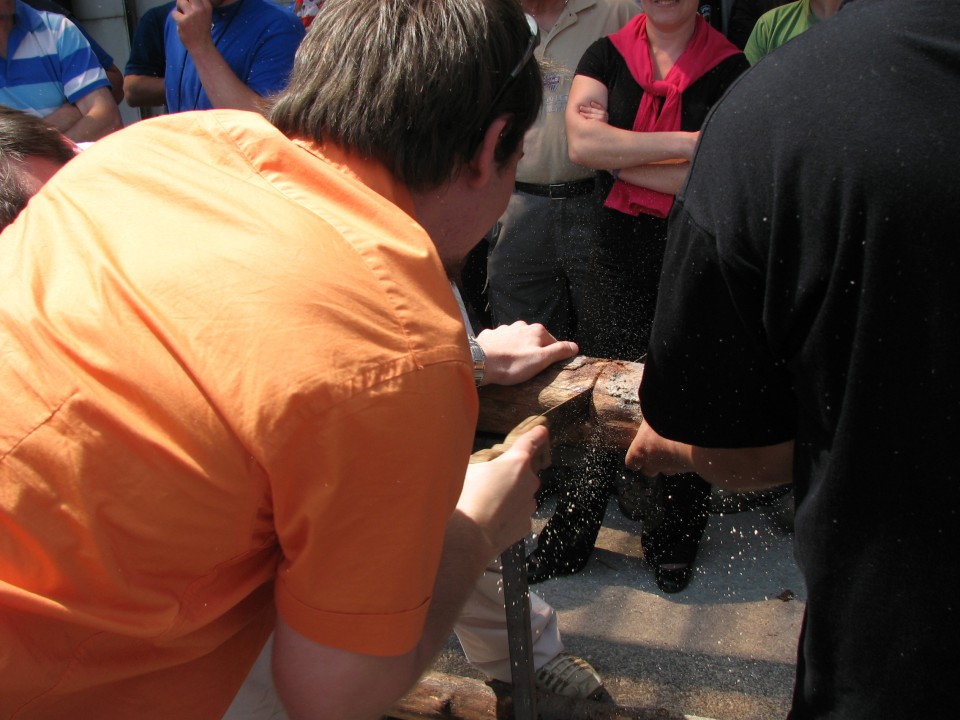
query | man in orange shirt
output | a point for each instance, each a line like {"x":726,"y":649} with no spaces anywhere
{"x":239,"y":391}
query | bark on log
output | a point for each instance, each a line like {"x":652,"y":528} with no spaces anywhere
{"x":439,"y":696}
{"x":609,"y":418}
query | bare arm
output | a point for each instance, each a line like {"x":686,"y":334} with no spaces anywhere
{"x":662,"y":177}
{"x":753,"y":468}
{"x":666,"y":176}
{"x":601,"y":146}
{"x":64,"y":117}
{"x":99,"y":116}
{"x":144,"y":91}
{"x":519,"y":351}
{"x":116,"y":83}
{"x":494,"y":510}
{"x":222,"y":86}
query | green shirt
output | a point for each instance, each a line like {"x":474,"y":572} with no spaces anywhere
{"x":777,"y":26}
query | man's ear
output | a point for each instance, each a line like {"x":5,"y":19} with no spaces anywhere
{"x":484,"y":162}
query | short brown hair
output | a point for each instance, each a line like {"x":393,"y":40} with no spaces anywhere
{"x":411,"y":83}
{"x":24,"y":136}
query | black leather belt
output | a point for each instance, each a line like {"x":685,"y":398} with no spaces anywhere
{"x":558,"y":191}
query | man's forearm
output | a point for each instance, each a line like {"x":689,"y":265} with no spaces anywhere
{"x":116,"y":83}
{"x":745,"y":468}
{"x":100,"y":116}
{"x":751,"y":468}
{"x":222,"y":86}
{"x":64,"y":117}
{"x":144,"y":91}
{"x":465,"y":555}
{"x":91,"y":127}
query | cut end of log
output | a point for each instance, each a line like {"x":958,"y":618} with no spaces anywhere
{"x":439,"y":696}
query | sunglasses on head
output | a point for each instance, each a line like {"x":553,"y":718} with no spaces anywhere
{"x":518,"y":68}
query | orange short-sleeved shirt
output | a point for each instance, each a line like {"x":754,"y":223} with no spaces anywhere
{"x":235,"y":379}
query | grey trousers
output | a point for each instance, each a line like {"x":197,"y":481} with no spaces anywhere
{"x":539,"y":262}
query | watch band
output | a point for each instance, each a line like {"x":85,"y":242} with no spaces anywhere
{"x":479,"y":360}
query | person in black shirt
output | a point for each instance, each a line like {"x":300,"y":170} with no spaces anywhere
{"x":808,"y":328}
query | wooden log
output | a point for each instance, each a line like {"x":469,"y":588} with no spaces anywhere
{"x":610,"y":419}
{"x":450,"y":697}
{"x":615,"y":408}
{"x":439,"y":696}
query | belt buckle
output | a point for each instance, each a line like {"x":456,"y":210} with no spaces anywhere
{"x":557,"y":188}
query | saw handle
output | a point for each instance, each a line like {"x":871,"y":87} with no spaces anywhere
{"x":538,"y":462}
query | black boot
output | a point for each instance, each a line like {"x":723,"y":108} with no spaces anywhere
{"x":671,"y":546}
{"x":566,"y":541}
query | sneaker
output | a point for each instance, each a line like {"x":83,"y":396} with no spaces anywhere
{"x":570,"y":676}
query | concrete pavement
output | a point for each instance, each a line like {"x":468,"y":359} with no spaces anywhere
{"x":724,"y":648}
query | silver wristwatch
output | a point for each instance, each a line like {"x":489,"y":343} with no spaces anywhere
{"x":479,"y":360}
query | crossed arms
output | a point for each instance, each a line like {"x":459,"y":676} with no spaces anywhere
{"x":655,"y":160}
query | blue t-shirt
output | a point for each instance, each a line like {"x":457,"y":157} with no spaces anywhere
{"x":48,"y":63}
{"x":257,"y":38}
{"x":106,"y":60}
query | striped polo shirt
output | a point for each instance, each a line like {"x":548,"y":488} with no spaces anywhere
{"x":48,"y":63}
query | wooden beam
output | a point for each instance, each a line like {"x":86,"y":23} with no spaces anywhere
{"x":609,"y":419}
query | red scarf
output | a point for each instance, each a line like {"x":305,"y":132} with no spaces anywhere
{"x":707,"y":49}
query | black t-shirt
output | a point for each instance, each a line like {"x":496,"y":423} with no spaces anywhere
{"x":147,"y":53}
{"x":813,"y":268}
